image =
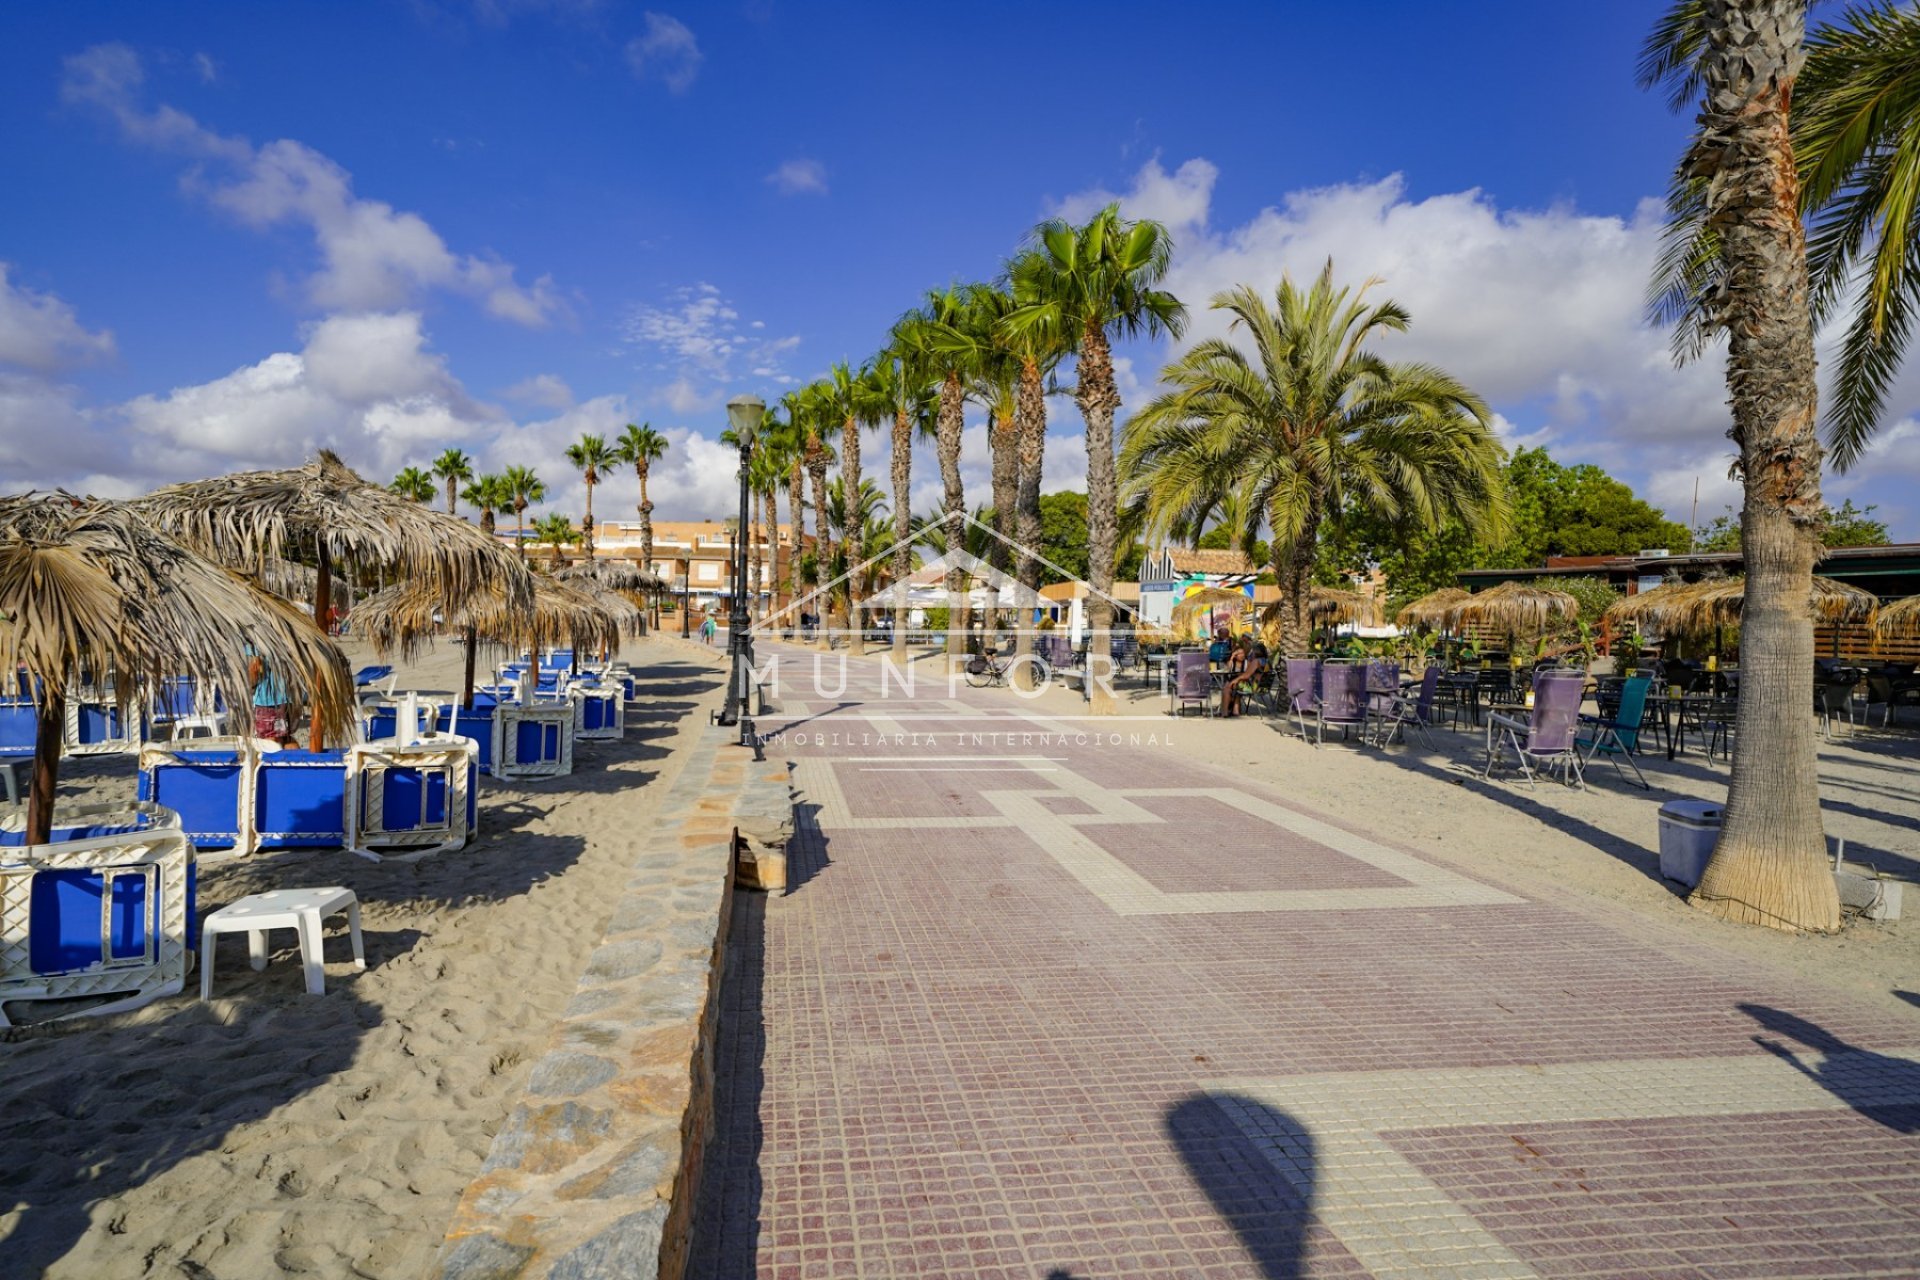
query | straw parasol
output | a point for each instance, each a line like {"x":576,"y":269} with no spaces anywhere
{"x":616,"y":574}
{"x":291,"y":580}
{"x":88,"y":590}
{"x":1698,"y":608}
{"x":1520,"y":607}
{"x":404,"y":619}
{"x":253,"y":517}
{"x":1331,"y":604}
{"x":1901,"y":618}
{"x":1432,"y":609}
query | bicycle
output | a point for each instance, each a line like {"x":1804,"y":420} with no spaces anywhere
{"x":984,"y":670}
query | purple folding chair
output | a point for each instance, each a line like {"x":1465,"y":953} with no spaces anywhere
{"x":1548,"y":738}
{"x":1383,"y":686}
{"x":1191,"y":683}
{"x":1416,"y":711}
{"x":1343,"y":697}
{"x":1303,"y":692}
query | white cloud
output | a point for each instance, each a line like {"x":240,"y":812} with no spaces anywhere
{"x":544,"y":390}
{"x":206,"y":68}
{"x":799,"y":177}
{"x":1541,"y":311}
{"x":666,"y":51}
{"x":40,"y":331}
{"x":698,"y":343}
{"x":372,"y":255}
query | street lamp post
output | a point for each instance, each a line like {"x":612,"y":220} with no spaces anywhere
{"x":686,"y":596}
{"x":743,"y":414}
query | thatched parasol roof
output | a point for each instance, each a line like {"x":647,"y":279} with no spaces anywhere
{"x":1332,"y":604}
{"x":291,"y":580}
{"x":1520,"y":607}
{"x":615,"y":574}
{"x":1696,"y":608}
{"x":1432,"y":609}
{"x":1901,"y":618}
{"x":254,"y":517}
{"x":404,"y":619}
{"x":1201,"y":600}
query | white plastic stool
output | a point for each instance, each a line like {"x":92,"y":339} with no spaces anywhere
{"x":300,"y":909}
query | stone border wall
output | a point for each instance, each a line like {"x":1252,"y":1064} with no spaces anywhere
{"x":595,"y":1172}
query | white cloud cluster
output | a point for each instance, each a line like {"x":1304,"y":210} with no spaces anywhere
{"x":665,"y":51}
{"x":697,"y":341}
{"x":373,"y":257}
{"x":799,"y":176}
{"x":39,"y":331}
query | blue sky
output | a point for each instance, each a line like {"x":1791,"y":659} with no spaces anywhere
{"x":394,"y":227}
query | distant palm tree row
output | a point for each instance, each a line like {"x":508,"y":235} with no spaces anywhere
{"x":518,"y":487}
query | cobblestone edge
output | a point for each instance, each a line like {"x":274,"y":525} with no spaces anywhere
{"x":595,"y":1171}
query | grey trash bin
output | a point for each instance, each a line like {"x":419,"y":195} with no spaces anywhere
{"x":1688,"y":830}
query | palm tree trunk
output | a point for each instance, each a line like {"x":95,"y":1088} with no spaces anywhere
{"x":822,"y":545}
{"x":486,"y":521}
{"x":769,"y":563}
{"x":466,"y":689}
{"x":1293,"y":571}
{"x":797,"y":508}
{"x":1030,"y":430}
{"x":902,"y":468}
{"x":948,"y":425}
{"x":453,"y":495}
{"x":49,"y":732}
{"x":1770,"y":864}
{"x":586,"y":525}
{"x":850,"y":536}
{"x":1004,"y":443}
{"x":520,"y":529}
{"x":646,"y":533}
{"x":1098,"y":399}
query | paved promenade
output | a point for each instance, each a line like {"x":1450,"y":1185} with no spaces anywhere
{"x":1038,"y":1005}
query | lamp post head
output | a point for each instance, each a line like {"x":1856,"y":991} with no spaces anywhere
{"x":743,"y":415}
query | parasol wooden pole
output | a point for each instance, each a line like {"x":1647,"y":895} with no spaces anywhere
{"x":466,"y":701}
{"x":322,"y":605}
{"x":47,"y":735}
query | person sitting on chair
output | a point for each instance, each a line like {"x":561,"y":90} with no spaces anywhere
{"x":1247,"y":678}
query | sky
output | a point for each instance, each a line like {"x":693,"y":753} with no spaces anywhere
{"x":239,"y":232}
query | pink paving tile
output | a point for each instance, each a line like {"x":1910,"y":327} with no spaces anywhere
{"x":1209,"y":846}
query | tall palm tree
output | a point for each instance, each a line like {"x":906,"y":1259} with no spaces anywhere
{"x":1769,"y":866}
{"x":994,"y":383}
{"x":793,"y":448}
{"x":863,"y":528}
{"x":414,"y":485}
{"x":901,"y":381}
{"x":591,"y":455}
{"x":484,"y":494}
{"x":1855,"y":112}
{"x":454,"y":468}
{"x":1038,"y":350}
{"x":641,"y":446}
{"x":849,"y":395}
{"x":521,"y":488}
{"x":766,"y":472}
{"x":953,"y":337}
{"x":1305,"y":422}
{"x":814,"y":417}
{"x":558,"y":533}
{"x":1087,"y":283}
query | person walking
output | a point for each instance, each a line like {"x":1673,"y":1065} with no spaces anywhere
{"x":270,"y":718}
{"x":707,"y":628}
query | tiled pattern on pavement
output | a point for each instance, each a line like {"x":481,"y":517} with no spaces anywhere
{"x":988,"y":1033}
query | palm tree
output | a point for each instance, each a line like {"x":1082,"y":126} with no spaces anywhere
{"x":558,"y":533}
{"x":641,"y":446}
{"x":1303,"y":424}
{"x":1038,"y":350}
{"x":901,"y":382}
{"x":454,"y":468}
{"x":848,"y":395}
{"x":484,"y":494}
{"x":813,"y":415}
{"x":414,"y":485}
{"x":953,"y":337}
{"x":1769,"y":866}
{"x":1855,"y":110}
{"x":863,"y":531}
{"x":521,"y":487}
{"x":793,"y":448}
{"x":1084,"y":283}
{"x":590,"y":455}
{"x":766,"y":472}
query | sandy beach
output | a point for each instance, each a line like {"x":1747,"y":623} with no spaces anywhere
{"x":272,"y":1133}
